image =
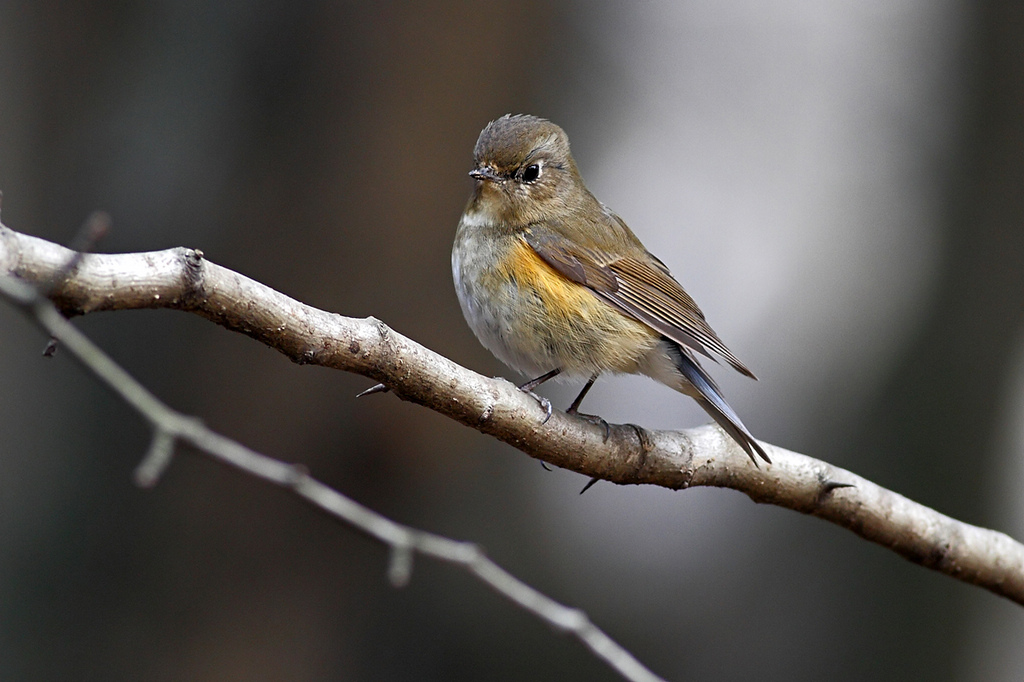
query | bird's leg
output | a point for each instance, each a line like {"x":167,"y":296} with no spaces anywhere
{"x":583,"y":394}
{"x":592,"y":418}
{"x":534,"y":383}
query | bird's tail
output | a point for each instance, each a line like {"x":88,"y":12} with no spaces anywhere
{"x":710,"y":398}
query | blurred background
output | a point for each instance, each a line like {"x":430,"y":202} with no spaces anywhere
{"x":840,"y":185}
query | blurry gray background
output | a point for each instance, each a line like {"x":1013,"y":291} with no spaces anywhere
{"x":840,"y":185}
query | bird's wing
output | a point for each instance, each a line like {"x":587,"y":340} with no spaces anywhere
{"x":641,"y":287}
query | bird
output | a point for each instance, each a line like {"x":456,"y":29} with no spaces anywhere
{"x":555,"y":284}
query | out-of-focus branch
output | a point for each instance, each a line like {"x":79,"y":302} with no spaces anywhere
{"x":170,"y":426}
{"x":183,"y":279}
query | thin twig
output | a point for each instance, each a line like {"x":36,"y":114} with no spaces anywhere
{"x":169,"y":426}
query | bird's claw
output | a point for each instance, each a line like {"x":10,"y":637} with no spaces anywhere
{"x":542,"y":401}
{"x":596,"y":421}
{"x":645,"y":439}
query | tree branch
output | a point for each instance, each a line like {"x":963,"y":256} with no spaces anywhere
{"x":170,"y":426}
{"x":183,"y":279}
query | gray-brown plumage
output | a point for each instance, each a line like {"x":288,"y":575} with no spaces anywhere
{"x":553,"y":282}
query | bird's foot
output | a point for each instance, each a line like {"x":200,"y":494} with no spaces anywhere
{"x":542,"y":401}
{"x":645,"y":439}
{"x":646,"y":445}
{"x":595,"y":420}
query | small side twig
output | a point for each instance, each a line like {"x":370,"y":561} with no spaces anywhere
{"x":157,"y":458}
{"x":95,"y":227}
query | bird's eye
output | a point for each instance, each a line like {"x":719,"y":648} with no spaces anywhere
{"x":531,"y":172}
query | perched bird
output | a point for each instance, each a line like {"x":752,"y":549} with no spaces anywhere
{"x":555,"y":284}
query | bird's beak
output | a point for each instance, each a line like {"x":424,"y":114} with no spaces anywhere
{"x":485,"y":173}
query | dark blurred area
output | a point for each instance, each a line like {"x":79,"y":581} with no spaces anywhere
{"x":840,"y":185}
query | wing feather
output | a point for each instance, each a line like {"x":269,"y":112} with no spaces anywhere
{"x":642,"y":288}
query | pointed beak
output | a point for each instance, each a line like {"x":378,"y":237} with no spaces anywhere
{"x":485,"y":173}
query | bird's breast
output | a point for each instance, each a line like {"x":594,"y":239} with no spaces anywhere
{"x":534,"y":319}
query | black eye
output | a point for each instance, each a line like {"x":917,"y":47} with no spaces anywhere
{"x":531,"y":172}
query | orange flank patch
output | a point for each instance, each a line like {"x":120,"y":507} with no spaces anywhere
{"x":566,"y":322}
{"x":561,"y":296}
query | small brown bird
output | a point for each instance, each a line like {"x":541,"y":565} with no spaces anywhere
{"x":555,"y":284}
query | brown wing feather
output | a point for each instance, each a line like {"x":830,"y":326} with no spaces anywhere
{"x":643,"y":289}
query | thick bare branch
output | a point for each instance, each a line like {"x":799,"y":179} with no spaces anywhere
{"x":184,"y":280}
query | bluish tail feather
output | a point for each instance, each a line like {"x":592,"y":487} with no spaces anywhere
{"x":714,"y":404}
